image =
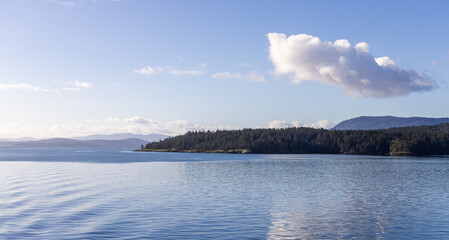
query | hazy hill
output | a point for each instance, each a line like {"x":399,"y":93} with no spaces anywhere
{"x":133,"y":143}
{"x":383,"y":122}
{"x":119,"y":140}
{"x":17,"y":139}
{"x":120,"y":136}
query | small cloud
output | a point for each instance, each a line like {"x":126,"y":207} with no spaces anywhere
{"x":303,"y":57}
{"x":320,"y":124}
{"x":112,"y":119}
{"x":284,"y":124}
{"x":181,"y":124}
{"x":82,"y":84}
{"x":146,"y":70}
{"x":26,"y":87}
{"x":78,"y":86}
{"x":138,"y":120}
{"x":169,"y":69}
{"x":180,"y":58}
{"x":251,"y":76}
{"x":178,"y":72}
{"x":280,"y":124}
{"x":202,"y":65}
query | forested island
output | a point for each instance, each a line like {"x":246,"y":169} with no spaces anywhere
{"x":414,"y":141}
{"x":384,"y":122}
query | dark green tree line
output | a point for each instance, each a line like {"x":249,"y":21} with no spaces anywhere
{"x":423,"y":140}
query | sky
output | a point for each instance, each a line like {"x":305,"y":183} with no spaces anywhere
{"x":79,"y":67}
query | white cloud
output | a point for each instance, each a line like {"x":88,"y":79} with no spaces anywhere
{"x":202,"y":65}
{"x":112,"y":119}
{"x":109,"y":125}
{"x":251,"y":76}
{"x":145,"y":71}
{"x":169,"y":69}
{"x":137,"y":124}
{"x":280,"y":124}
{"x":78,"y":86}
{"x":138,"y":120}
{"x":284,"y":124}
{"x":83,"y":85}
{"x":320,"y":124}
{"x":25,"y":86}
{"x":304,"y":57}
{"x":179,"y":72}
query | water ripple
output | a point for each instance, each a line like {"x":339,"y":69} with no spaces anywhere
{"x":203,"y":196}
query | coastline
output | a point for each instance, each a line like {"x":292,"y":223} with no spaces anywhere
{"x":238,"y":151}
{"x":247,"y":151}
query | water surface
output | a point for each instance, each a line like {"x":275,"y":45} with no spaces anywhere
{"x":103,"y":193}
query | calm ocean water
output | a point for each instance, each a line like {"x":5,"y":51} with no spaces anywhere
{"x":104,"y":193}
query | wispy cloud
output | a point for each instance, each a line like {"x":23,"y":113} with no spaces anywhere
{"x":179,"y":72}
{"x":83,"y":85}
{"x":136,"y":124}
{"x":139,"y":120}
{"x":251,"y":76}
{"x":26,"y":87}
{"x":77,"y":86}
{"x":304,"y":57}
{"x":149,"y":70}
{"x":145,"y":71}
{"x":107,"y":126}
{"x":202,"y":65}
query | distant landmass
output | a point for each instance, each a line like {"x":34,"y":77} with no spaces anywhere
{"x":121,"y":140}
{"x":422,"y":140}
{"x":17,"y":139}
{"x":120,"y":136}
{"x":384,"y":122}
{"x":134,"y":143}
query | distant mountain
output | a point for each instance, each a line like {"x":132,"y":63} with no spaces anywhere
{"x":120,"y":136}
{"x":133,"y":143}
{"x":383,"y":122}
{"x":120,"y":140}
{"x":17,"y":139}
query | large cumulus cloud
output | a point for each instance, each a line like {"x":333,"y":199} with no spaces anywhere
{"x":305,"y":57}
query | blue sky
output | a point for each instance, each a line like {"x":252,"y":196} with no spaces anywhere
{"x":71,"y":68}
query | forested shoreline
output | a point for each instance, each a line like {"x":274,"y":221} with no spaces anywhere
{"x":415,"y":141}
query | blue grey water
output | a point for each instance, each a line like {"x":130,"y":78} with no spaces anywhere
{"x":106,"y":193}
